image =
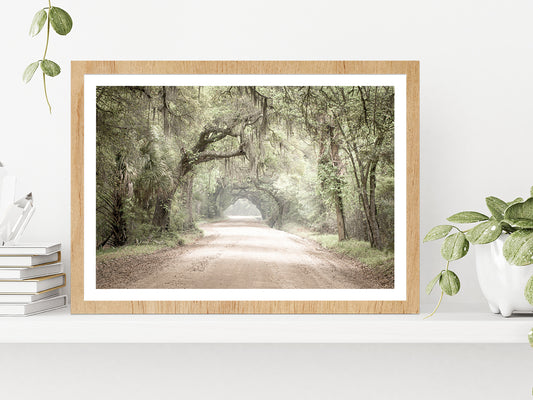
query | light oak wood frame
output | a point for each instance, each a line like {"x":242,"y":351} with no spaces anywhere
{"x":80,"y":68}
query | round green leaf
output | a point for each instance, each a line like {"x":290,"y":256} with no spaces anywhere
{"x":520,"y":214}
{"x":485,"y":232}
{"x":50,"y":68}
{"x":454,"y":247}
{"x":466,"y":217}
{"x":433,"y":282}
{"x":528,"y":292}
{"x":38,"y":22}
{"x":438,"y":232}
{"x":29,"y":71}
{"x":496,"y":207}
{"x":60,"y":20}
{"x":449,"y":283}
{"x":518,"y":248}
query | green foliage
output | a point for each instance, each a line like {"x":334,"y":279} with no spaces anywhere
{"x":518,"y":248}
{"x":520,"y":215}
{"x":50,"y":68}
{"x":38,"y":22}
{"x":331,"y":182}
{"x":528,"y":292}
{"x":159,"y":161}
{"x":454,"y":247}
{"x":485,"y":232}
{"x":466,"y":217}
{"x":61,"y":22}
{"x":496,"y":207}
{"x":438,"y":232}
{"x":514,"y":218}
{"x":433,"y":282}
{"x":357,"y":249}
{"x":166,"y":241}
{"x":449,"y":283}
{"x":380,"y":262}
{"x":30,"y":71}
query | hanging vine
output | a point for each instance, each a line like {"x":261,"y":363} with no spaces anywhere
{"x":61,"y":21}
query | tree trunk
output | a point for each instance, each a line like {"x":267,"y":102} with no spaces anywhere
{"x":378,"y":243}
{"x":161,"y":218}
{"x":337,"y":198}
{"x":189,"y":223}
{"x":341,"y":224}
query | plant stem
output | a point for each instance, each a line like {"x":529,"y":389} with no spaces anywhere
{"x":46,"y":94}
{"x":440,"y":299}
{"x":438,"y":305}
{"x":44,"y":55}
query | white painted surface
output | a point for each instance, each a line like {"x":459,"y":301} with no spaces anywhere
{"x":265,"y":372}
{"x":447,"y":327}
{"x":476,"y":62}
{"x":502,"y":283}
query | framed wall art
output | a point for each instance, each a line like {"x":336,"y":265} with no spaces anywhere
{"x":245,"y":187}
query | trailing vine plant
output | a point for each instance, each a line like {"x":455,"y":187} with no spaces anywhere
{"x":514,"y":218}
{"x":61,"y":21}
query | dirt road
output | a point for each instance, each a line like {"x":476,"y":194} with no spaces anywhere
{"x":238,"y":253}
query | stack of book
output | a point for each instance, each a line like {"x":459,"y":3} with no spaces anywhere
{"x":31,"y":277}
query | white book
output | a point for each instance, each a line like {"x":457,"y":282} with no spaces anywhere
{"x":32,"y":286}
{"x":28,"y":298}
{"x":30,"y":249}
{"x":27,"y":273}
{"x":29,"y":261}
{"x":50,"y":303}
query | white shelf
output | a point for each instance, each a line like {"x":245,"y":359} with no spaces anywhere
{"x":445,"y":327}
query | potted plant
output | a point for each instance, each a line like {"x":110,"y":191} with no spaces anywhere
{"x":504,"y":266}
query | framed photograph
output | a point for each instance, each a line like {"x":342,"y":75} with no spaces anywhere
{"x":245,"y":187}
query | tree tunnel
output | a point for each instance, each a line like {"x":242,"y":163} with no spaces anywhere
{"x":264,"y":200}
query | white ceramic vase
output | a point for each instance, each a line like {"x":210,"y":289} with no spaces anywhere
{"x":502,"y":284}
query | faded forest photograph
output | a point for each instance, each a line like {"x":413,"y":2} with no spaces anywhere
{"x":245,"y":187}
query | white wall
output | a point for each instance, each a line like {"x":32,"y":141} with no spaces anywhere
{"x":266,"y":372}
{"x":476,"y":59}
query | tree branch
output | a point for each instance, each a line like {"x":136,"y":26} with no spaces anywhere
{"x":211,"y":155}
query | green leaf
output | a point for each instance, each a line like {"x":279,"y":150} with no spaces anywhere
{"x":449,"y":283}
{"x":520,"y":223}
{"x":485,"y":232}
{"x":29,"y":71}
{"x":438,"y":232}
{"x":507,"y":227}
{"x":528,"y":293}
{"x":454,"y":247}
{"x":518,"y":248}
{"x":50,"y":68}
{"x":432,"y":284}
{"x":496,"y":207}
{"x":520,"y":210}
{"x":517,"y":200}
{"x":38,"y":22}
{"x":60,"y":20}
{"x":520,"y":215}
{"x":466,"y":217}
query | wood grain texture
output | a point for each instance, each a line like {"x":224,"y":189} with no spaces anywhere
{"x":81,"y":68}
